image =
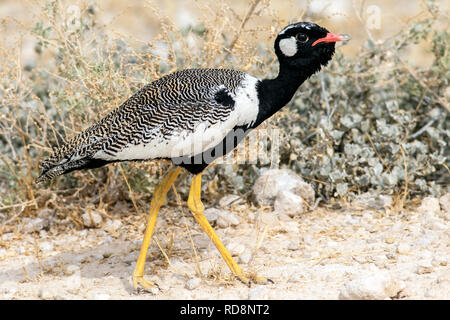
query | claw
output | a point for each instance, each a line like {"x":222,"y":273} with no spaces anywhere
{"x":261,"y":280}
{"x":254,"y":280}
{"x":140,"y":282}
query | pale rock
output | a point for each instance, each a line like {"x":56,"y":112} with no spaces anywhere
{"x":46,"y":246}
{"x":71,"y":269}
{"x":424,"y":266}
{"x":426,"y":255}
{"x":269,"y":218}
{"x":33,"y":225}
{"x":91,"y":219}
{"x":201,"y":241}
{"x":308,"y":239}
{"x":288,"y":203}
{"x":230,"y":200}
{"x":283,"y":217}
{"x":83,"y":234}
{"x":430,"y":205}
{"x":430,"y":293}
{"x":245,"y":258}
{"x":444,"y":201}
{"x":113,"y":225}
{"x":403,"y":248}
{"x":377,"y":285}
{"x":3,"y":253}
{"x":73,"y":283}
{"x":289,"y":227}
{"x":43,"y":234}
{"x":212,"y":214}
{"x":193,"y":283}
{"x":46,"y":213}
{"x":226,"y":219}
{"x":8,"y":290}
{"x":332,"y":244}
{"x":367,"y":216}
{"x":372,"y":201}
{"x":297,"y":277}
{"x":439,"y":261}
{"x":293,"y":245}
{"x":107,"y":239}
{"x":45,"y":294}
{"x":272,"y":181}
{"x":236,"y":249}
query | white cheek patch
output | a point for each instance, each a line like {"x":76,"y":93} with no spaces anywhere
{"x":288,"y":46}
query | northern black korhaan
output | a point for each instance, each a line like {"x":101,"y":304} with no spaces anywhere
{"x":187,"y":116}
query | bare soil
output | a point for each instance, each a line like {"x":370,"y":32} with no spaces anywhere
{"x":312,"y":256}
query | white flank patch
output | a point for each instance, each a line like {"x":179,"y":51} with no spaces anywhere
{"x":288,"y":46}
{"x":186,"y":143}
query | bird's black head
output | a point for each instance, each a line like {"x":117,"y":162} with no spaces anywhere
{"x":306,"y":45}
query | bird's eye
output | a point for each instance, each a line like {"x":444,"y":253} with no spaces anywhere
{"x":301,"y":37}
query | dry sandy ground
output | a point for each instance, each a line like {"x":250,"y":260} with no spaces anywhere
{"x":322,"y":254}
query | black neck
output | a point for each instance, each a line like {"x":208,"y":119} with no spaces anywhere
{"x":275,"y":93}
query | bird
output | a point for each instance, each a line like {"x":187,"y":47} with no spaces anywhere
{"x":192,"y":117}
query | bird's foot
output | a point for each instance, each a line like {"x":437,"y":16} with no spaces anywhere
{"x":252,"y":279}
{"x":260,"y":280}
{"x":140,"y":283}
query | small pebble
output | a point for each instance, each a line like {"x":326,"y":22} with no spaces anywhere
{"x":113,"y":225}
{"x":3,"y":253}
{"x":444,"y":201}
{"x":245,"y":257}
{"x":296,"y":277}
{"x":288,"y":203}
{"x":289,"y":227}
{"x":91,"y":219}
{"x":424,"y":267}
{"x":439,"y":261}
{"x":193,"y":283}
{"x":45,"y":294}
{"x":403,"y":248}
{"x":377,"y":285}
{"x":32,"y":225}
{"x":226,"y":219}
{"x":71,"y":269}
{"x":73,"y":283}
{"x":430,"y":205}
{"x":269,"y":218}
{"x":430,"y":293}
{"x":46,"y":246}
{"x":230,"y":200}
{"x":272,"y":181}
{"x":293,"y":245}
{"x":211,"y":215}
{"x":45,"y":213}
{"x":236,"y":249}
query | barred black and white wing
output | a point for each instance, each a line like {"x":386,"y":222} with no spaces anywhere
{"x":179,"y":115}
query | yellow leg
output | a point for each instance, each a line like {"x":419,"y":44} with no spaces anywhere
{"x":159,"y":196}
{"x":197,"y":209}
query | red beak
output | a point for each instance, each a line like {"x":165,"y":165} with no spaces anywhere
{"x":332,"y":37}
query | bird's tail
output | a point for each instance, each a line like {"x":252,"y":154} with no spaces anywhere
{"x":50,"y":170}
